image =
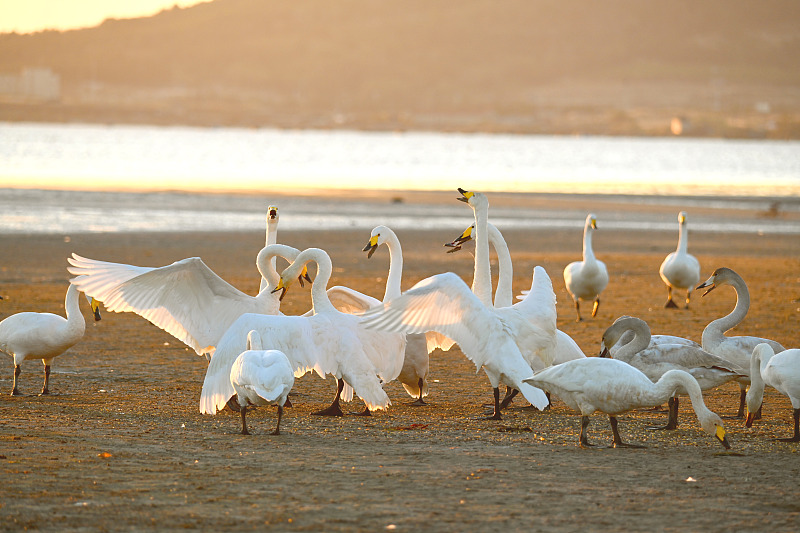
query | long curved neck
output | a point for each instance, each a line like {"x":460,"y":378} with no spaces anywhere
{"x":482,"y":276}
{"x":588,"y":253}
{"x":503,"y":296}
{"x":640,"y":341}
{"x":393,"y":288}
{"x":671,"y":380}
{"x":271,"y":267}
{"x":75,"y":319}
{"x":718,"y":327}
{"x":319,"y":297}
{"x":265,"y":263}
{"x":683,"y":239}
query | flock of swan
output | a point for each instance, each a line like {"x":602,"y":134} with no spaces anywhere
{"x":255,"y":352}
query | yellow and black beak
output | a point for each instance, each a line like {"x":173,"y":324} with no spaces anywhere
{"x":95,"y":309}
{"x":304,"y":276}
{"x":722,"y":438}
{"x":280,"y":287}
{"x":749,"y":420}
{"x":272,"y":212}
{"x":708,"y":283}
{"x":455,"y":245}
{"x":465,"y":195}
{"x":594,"y":223}
{"x":371,"y":246}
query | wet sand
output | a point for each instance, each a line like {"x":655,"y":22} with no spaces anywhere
{"x":120,"y":445}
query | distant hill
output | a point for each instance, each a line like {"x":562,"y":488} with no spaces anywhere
{"x":723,"y":67}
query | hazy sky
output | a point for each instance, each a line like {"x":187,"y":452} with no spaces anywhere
{"x":25,"y":16}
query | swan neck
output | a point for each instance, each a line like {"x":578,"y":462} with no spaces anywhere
{"x":482,"y":276}
{"x":588,"y":253}
{"x":731,"y":320}
{"x":683,"y":239}
{"x":640,"y":341}
{"x":673,"y":380}
{"x":319,"y":297}
{"x":503,"y":296}
{"x":72,"y":307}
{"x":393,"y":280}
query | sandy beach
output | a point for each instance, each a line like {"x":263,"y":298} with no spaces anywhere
{"x":120,"y":444}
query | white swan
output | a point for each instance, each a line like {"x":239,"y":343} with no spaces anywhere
{"x":497,"y":340}
{"x":709,"y":370}
{"x":186,"y":299}
{"x":566,"y":348}
{"x":781,"y":371}
{"x":416,"y":363}
{"x":735,"y":349}
{"x":586,"y":279}
{"x":327,"y":342}
{"x":613,"y":387}
{"x":680,"y":269}
{"x":261,"y":377}
{"x":43,"y":336}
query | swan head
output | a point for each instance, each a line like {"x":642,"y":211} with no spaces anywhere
{"x":95,"y":305}
{"x":474,"y":199}
{"x":457,"y":243}
{"x":591,"y":221}
{"x":682,"y":218}
{"x":253,"y":340}
{"x":712,"y":424}
{"x":288,"y":276}
{"x":376,"y":238}
{"x":721,"y":276}
{"x":272,"y":215}
{"x":614,"y":333}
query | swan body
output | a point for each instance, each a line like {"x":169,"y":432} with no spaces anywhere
{"x":680,"y":270}
{"x":586,"y":279}
{"x":566,"y":349}
{"x":186,"y":299}
{"x":261,"y":377}
{"x":44,"y":336}
{"x":734,"y":349}
{"x":501,"y":341}
{"x":327,"y":342}
{"x":654,"y":360}
{"x":613,"y":387}
{"x":781,"y":371}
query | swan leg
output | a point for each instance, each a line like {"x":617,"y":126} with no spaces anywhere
{"x":672,"y":421}
{"x":334,"y":409}
{"x":365,"y":412}
{"x":496,"y":415}
{"x":288,"y":403}
{"x":45,"y":388}
{"x":583,"y":440}
{"x":233,"y":404}
{"x":595,"y":306}
{"x":14,"y":390}
{"x":278,"y":427}
{"x":419,"y":401}
{"x":578,"y":311}
{"x":617,"y":440}
{"x":688,"y":295}
{"x":510,"y":394}
{"x":796,"y":436}
{"x":242,"y":411}
{"x":670,"y":302}
{"x":742,"y":398}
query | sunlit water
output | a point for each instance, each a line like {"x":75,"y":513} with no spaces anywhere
{"x":149,"y":158}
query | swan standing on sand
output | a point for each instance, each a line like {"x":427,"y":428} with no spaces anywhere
{"x":734,"y":349}
{"x":261,"y":377}
{"x":43,"y":336}
{"x":781,"y":371}
{"x":654,"y":360}
{"x":326,"y":341}
{"x":586,"y":279}
{"x":613,"y":387}
{"x":186,"y":299}
{"x":493,"y":339}
{"x":680,"y":270}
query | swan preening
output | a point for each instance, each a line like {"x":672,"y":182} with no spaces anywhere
{"x":44,"y":336}
{"x":613,"y":387}
{"x":781,"y":371}
{"x":261,"y":377}
{"x":654,"y":360}
{"x":586,"y":279}
{"x":680,"y":270}
{"x":737,"y":350}
{"x":501,"y":341}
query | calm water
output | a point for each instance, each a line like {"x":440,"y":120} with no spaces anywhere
{"x":147,"y":158}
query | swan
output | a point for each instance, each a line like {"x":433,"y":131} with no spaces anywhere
{"x":326,"y":341}
{"x":781,"y":371}
{"x":261,"y":377}
{"x":680,"y":269}
{"x":566,"y":348}
{"x":31,"y":335}
{"x":734,"y":349}
{"x":586,"y":279}
{"x":416,"y":363}
{"x":613,"y":387}
{"x":186,"y":299}
{"x":497,"y":340}
{"x":709,"y":370}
